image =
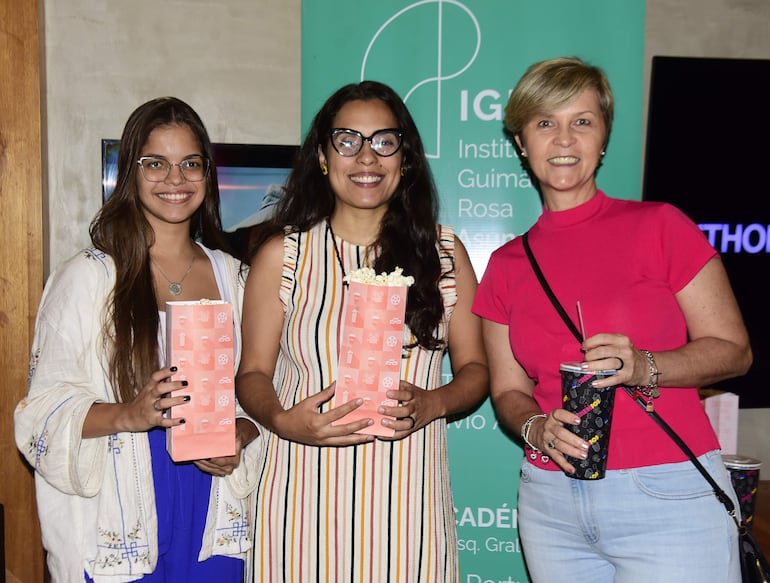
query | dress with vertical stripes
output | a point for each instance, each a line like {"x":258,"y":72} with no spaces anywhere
{"x":376,"y":512}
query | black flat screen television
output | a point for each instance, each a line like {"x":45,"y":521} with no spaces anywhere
{"x":707,"y":142}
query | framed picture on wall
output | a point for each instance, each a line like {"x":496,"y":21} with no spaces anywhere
{"x":251,"y":180}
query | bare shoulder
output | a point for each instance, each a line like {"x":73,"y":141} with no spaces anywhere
{"x":266,"y":267}
{"x":269,"y":254}
{"x":463,"y":263}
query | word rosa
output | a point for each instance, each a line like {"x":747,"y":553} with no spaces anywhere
{"x":483,"y":210}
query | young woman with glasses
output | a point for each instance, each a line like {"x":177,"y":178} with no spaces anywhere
{"x":334,"y":504}
{"x":112,"y":504}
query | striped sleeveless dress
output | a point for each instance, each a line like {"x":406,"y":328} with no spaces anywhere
{"x":376,"y":512}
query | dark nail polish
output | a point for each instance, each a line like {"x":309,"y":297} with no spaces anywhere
{"x":185,"y":383}
{"x":182,"y":421}
{"x":186,"y":398}
{"x":173,"y":369}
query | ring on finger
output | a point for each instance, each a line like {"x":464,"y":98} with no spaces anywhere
{"x":412,"y":418}
{"x":622,"y":364}
{"x":550,"y":443}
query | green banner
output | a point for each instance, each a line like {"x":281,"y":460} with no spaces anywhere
{"x":454,"y":64}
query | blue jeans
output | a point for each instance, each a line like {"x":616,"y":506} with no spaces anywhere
{"x":655,"y":524}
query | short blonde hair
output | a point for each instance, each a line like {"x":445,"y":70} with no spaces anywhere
{"x":551,"y":84}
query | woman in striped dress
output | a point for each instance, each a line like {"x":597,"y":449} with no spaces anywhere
{"x":334,"y":504}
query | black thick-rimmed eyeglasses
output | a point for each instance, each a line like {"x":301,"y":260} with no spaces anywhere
{"x":157,"y":169}
{"x":385,"y":142}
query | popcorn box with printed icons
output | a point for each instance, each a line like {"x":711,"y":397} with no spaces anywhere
{"x":371,"y":344}
{"x":199,"y":342}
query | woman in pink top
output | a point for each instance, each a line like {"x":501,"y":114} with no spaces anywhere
{"x":657,"y":308}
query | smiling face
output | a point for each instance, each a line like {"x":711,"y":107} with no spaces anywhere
{"x":365,"y":180}
{"x":174,"y":200}
{"x":564,"y":148}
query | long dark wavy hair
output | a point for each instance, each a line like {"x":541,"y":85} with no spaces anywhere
{"x":121,"y":230}
{"x":407,"y":236}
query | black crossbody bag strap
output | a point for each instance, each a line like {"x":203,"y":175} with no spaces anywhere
{"x":718,"y":492}
{"x":548,"y":291}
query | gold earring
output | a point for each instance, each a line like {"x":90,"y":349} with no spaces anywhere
{"x":403,"y":170}
{"x":324,"y":169}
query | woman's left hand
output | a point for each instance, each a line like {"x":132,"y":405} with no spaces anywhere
{"x":615,"y":352}
{"x":219,"y":466}
{"x":415,"y":410}
{"x":245,"y":433}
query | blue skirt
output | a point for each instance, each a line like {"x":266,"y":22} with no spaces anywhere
{"x":182,"y":499}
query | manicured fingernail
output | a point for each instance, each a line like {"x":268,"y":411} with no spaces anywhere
{"x":185,"y":383}
{"x":182,"y":421}
{"x":186,"y":398}
{"x":173,"y":369}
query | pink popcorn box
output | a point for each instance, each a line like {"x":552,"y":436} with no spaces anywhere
{"x":199,"y":342}
{"x":370,"y":352}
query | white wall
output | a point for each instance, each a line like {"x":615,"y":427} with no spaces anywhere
{"x":238,"y":63}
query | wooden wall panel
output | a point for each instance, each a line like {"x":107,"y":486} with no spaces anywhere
{"x":21,"y":269}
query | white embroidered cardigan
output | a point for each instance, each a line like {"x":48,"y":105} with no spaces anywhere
{"x":95,"y":497}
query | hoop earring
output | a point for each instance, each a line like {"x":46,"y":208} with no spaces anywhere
{"x":403,"y":170}
{"x":324,"y":169}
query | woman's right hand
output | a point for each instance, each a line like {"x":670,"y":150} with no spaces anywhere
{"x":304,"y":423}
{"x":147,"y":409}
{"x":143,"y":413}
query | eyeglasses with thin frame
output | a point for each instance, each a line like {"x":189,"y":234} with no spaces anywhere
{"x":157,"y":169}
{"x":385,"y":142}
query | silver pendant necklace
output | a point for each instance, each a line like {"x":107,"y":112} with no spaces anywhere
{"x":175,"y":287}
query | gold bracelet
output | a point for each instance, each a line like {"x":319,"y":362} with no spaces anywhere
{"x":649,"y":391}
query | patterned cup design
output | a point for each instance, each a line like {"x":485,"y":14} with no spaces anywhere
{"x":594,"y":407}
{"x":744,"y":475}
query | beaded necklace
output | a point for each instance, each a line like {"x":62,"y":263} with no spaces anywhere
{"x":339,"y":255}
